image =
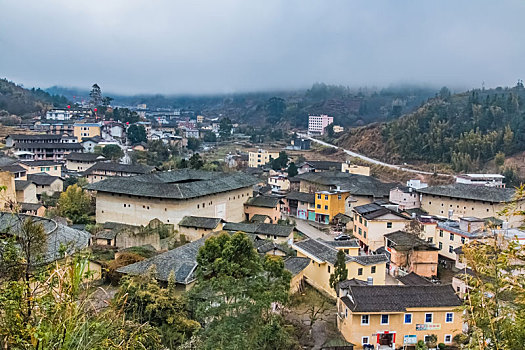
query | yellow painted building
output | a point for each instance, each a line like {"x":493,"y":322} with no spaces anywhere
{"x":396,"y":316}
{"x":86,"y":130}
{"x":371,"y":223}
{"x":328,"y":204}
{"x":369,"y":268}
{"x":260,"y":158}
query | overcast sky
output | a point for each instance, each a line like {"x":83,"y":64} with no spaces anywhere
{"x":217,"y":46}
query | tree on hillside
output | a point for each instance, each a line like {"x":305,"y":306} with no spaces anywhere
{"x":279,"y":162}
{"x":137,"y":134}
{"x":225,"y":128}
{"x":125,"y":115}
{"x":49,"y":305}
{"x":144,"y":300}
{"x":340,"y":271}
{"x":113,"y":152}
{"x":275,"y":108}
{"x":95,"y":96}
{"x":193,"y":143}
{"x":75,"y":204}
{"x":209,"y":137}
{"x":196,"y":161}
{"x":292,"y":170}
{"x":495,"y":300}
{"x":236,"y":287}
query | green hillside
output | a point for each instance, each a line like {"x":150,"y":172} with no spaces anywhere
{"x":465,"y":130}
{"x":16,"y":100}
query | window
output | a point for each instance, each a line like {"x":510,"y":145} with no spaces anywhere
{"x":360,"y":271}
{"x":328,"y":269}
{"x":360,"y":231}
{"x":318,"y":206}
{"x":365,"y":319}
{"x":462,"y":240}
{"x":364,"y":341}
{"x":339,"y":197}
{"x":449,"y":318}
{"x":325,"y":197}
{"x":364,"y":234}
{"x":388,"y":225}
{"x":440,"y":245}
{"x":318,"y":196}
{"x":408,"y":318}
{"x":360,"y":220}
{"x":450,"y":249}
{"x":384,"y":319}
{"x":428,"y":318}
{"x":366,"y":223}
{"x":451,"y":236}
{"x":427,"y":338}
{"x":373,"y":269}
{"x":440,"y":233}
{"x":448,"y":338}
{"x":326,"y":207}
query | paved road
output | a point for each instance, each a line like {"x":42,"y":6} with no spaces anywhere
{"x":311,"y":231}
{"x":368,"y":159}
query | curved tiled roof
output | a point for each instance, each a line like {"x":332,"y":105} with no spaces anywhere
{"x":474,"y":192}
{"x":180,"y":184}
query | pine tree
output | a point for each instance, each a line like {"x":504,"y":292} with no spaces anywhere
{"x":340,"y":271}
{"x":95,"y":95}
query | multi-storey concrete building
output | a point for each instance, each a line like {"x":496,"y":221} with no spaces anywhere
{"x":260,"y":158}
{"x":317,"y":123}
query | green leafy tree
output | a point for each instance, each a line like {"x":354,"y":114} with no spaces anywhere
{"x":236,"y":287}
{"x":196,"y":161}
{"x":193,"y":143}
{"x":279,"y":162}
{"x":144,"y":300}
{"x":125,"y":115}
{"x":495,"y":300}
{"x":292,"y":170}
{"x":275,"y":108}
{"x":137,"y":134}
{"x":340,"y":271}
{"x":499,"y":159}
{"x":113,"y":152}
{"x":225,"y":128}
{"x":75,"y":204}
{"x":209,"y":137}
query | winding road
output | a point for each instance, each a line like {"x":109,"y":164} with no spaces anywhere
{"x":368,"y":159}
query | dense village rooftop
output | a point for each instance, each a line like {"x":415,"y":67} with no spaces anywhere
{"x":323,"y":252}
{"x":85,"y":157}
{"x":472,"y":192}
{"x":59,"y":237}
{"x":373,"y":210}
{"x":355,"y":184}
{"x":180,"y":184}
{"x":117,"y":167}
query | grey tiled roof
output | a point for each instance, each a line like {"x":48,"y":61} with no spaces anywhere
{"x":301,"y":196}
{"x":350,"y":243}
{"x":125,"y":168}
{"x":474,"y":192}
{"x":13,"y":168}
{"x":259,"y":218}
{"x":296,"y":264}
{"x":323,"y":164}
{"x":263,"y":201}
{"x":22,"y":184}
{"x":30,"y":206}
{"x":42,"y":179}
{"x":199,"y":222}
{"x":58,"y":236}
{"x":324,"y":252}
{"x":86,"y":157}
{"x":414,"y":280}
{"x":343,"y":218}
{"x":37,"y":137}
{"x":359,"y":185}
{"x":260,"y":229}
{"x":453,"y":226}
{"x":398,"y":298}
{"x":373,"y":210}
{"x":39,"y":162}
{"x":239,"y":226}
{"x":182,"y":261}
{"x":264,"y":246}
{"x":275,"y":230}
{"x":405,"y":241}
{"x":180,"y":184}
{"x":47,"y":145}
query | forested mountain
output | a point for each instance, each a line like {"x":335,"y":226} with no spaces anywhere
{"x":14,"y":99}
{"x":465,"y":130}
{"x":349,"y":107}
